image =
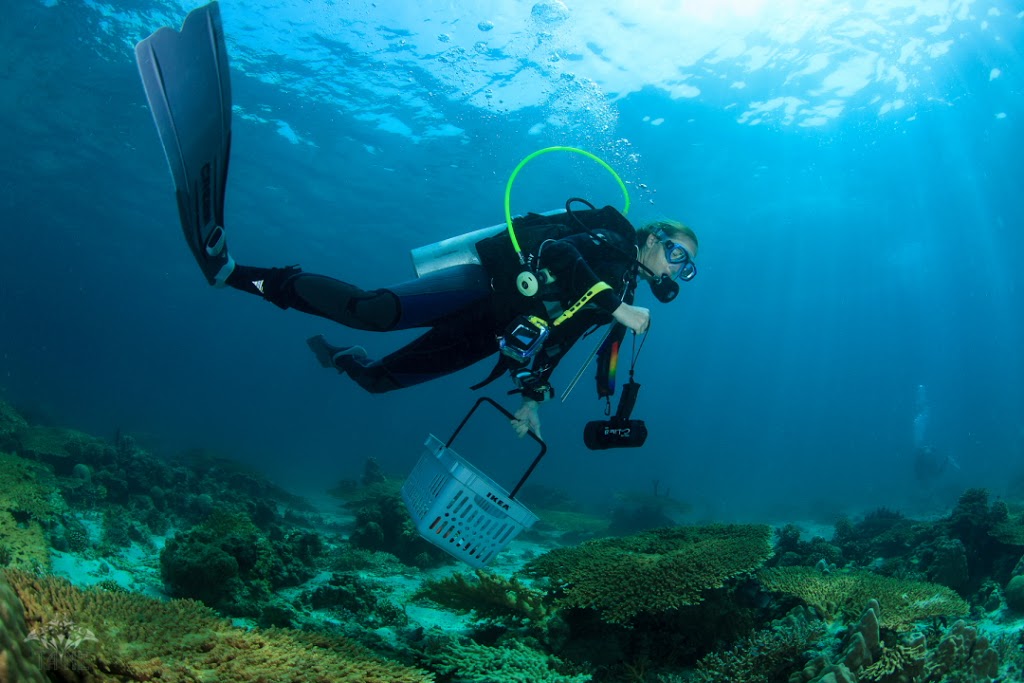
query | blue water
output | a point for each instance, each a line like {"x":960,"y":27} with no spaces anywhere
{"x":854,"y":177}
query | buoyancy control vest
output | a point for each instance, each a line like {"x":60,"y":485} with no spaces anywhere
{"x":503,"y":264}
{"x":498,"y":256}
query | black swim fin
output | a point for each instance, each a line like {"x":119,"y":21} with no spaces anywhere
{"x":333,"y":356}
{"x":189,"y":90}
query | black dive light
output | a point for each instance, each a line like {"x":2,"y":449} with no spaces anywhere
{"x":620,"y":431}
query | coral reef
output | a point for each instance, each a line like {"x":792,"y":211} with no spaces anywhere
{"x":653,"y":571}
{"x":227,"y":562}
{"x":383,"y":524}
{"x":791,"y":551}
{"x":904,"y":602}
{"x":681,"y":603}
{"x":977,"y":542}
{"x":182,"y":641}
{"x":357,"y":599}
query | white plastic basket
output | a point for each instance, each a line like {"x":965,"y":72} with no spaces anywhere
{"x":459,"y":509}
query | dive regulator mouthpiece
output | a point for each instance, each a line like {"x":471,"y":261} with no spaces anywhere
{"x":527,"y":283}
{"x":665,"y":289}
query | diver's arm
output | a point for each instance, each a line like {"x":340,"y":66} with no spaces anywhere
{"x":527,"y":418}
{"x":573,"y":275}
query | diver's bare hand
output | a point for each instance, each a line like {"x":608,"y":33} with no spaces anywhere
{"x":635,"y":318}
{"x":527,"y":418}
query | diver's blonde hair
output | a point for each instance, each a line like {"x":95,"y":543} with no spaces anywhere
{"x":673,"y":229}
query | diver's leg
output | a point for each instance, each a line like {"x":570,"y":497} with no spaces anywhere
{"x":417,"y":303}
{"x":440,"y":351}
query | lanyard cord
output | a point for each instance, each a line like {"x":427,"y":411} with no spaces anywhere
{"x":636,"y":351}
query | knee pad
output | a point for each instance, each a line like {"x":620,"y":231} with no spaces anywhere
{"x":378,"y":311}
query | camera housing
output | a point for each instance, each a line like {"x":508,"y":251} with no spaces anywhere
{"x":620,"y":431}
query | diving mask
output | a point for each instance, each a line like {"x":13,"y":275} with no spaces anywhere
{"x":677,"y":254}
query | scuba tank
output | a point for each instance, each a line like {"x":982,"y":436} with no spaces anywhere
{"x":459,"y":250}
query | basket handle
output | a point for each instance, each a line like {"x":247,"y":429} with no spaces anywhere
{"x":510,"y":416}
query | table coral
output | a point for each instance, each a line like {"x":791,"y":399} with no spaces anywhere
{"x":181,"y":641}
{"x":653,"y":571}
{"x":903,"y":601}
{"x":57,"y":444}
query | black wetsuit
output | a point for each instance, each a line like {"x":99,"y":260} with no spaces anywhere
{"x":467,"y":307}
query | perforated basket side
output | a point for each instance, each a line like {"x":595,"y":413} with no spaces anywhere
{"x":459,"y":509}
{"x":426,"y":481}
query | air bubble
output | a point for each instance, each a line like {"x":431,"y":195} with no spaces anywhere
{"x":550,"y":12}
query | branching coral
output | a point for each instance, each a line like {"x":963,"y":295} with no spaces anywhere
{"x":897,"y":660}
{"x":140,"y":639}
{"x":17,"y":661}
{"x":654,"y":571}
{"x":903,"y":602}
{"x":489,"y":597}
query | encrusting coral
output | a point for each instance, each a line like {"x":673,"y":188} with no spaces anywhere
{"x":182,"y":641}
{"x":903,"y":602}
{"x":653,"y":571}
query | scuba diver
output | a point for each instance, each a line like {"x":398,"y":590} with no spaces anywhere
{"x":929,"y":462}
{"x":525,"y":300}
